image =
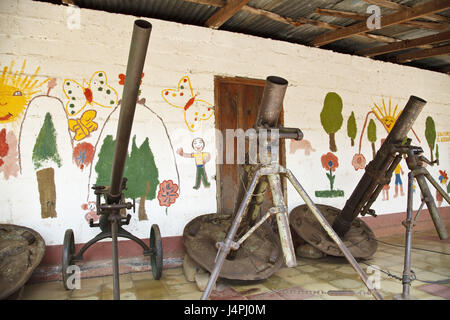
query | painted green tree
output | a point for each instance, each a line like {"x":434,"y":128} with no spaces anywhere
{"x":372,"y":135}
{"x":142,"y":175}
{"x":45,"y":146}
{"x":140,"y":170}
{"x":430,"y":134}
{"x":351,"y":128}
{"x":45,"y":152}
{"x":105,"y":160}
{"x":331,"y":117}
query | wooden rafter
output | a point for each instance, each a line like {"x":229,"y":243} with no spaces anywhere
{"x":295,"y":23}
{"x":392,"y":19}
{"x":422,"y":54}
{"x":397,"y":6}
{"x":405,"y":44}
{"x":363,"y":17}
{"x":225,"y":13}
{"x":268,"y":14}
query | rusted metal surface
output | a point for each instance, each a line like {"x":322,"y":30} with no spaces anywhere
{"x":256,"y":259}
{"x":136,"y":60}
{"x":111,"y":219}
{"x":272,"y":102}
{"x":379,"y":171}
{"x":21,"y":251}
{"x":360,"y":240}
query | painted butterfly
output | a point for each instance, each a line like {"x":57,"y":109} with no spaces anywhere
{"x":83,"y":126}
{"x":195,"y":110}
{"x":96,"y":92}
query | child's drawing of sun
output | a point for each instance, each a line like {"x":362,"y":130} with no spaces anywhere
{"x":16,"y":89}
{"x":387,"y":118}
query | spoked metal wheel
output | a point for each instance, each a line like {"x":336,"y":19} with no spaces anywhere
{"x":156,"y":257}
{"x":67,"y":255}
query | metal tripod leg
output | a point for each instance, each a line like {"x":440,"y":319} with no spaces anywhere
{"x":115,"y":218}
{"x":332,"y":234}
{"x":408,"y":223}
{"x":224,"y":248}
{"x":429,"y":200}
{"x":282,"y":220}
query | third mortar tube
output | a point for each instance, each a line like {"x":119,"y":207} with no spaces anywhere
{"x":384,"y":157}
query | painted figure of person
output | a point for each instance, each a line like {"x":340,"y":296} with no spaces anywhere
{"x":201,"y":158}
{"x":443,"y":178}
{"x":398,"y":180}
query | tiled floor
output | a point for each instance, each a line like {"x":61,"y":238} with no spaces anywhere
{"x":311,"y":279}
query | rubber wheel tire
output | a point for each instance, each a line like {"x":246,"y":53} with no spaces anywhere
{"x":156,"y":259}
{"x":67,"y":255}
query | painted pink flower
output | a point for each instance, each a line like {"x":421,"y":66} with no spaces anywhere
{"x":91,"y":207}
{"x":358,"y":161}
{"x":51,"y":84}
{"x":168,"y":193}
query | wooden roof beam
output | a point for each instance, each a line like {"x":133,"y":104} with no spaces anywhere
{"x":389,"y":20}
{"x":396,"y":6}
{"x":422,"y":54}
{"x":405,"y":44}
{"x":296,"y":23}
{"x":363,"y":17}
{"x":225,"y":13}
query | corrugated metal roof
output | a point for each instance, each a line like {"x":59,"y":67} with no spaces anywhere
{"x":192,"y":12}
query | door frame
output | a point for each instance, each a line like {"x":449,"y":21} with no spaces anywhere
{"x":253,"y":82}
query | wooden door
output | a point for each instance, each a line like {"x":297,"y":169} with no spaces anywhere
{"x":237,"y":102}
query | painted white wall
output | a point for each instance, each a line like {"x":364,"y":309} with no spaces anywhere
{"x":38,"y":33}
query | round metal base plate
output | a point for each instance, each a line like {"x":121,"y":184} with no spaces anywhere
{"x":360,"y":240}
{"x":22,"y":249}
{"x":258,"y":257}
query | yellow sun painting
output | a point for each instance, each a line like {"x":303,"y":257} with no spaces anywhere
{"x":16,"y":89}
{"x":387,"y":116}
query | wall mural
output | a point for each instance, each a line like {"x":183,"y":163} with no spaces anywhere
{"x":303,"y":144}
{"x":8,"y":154}
{"x":140,"y":170}
{"x":88,"y":108}
{"x":331,"y":117}
{"x":195,"y":110}
{"x":16,"y":95}
{"x":372,"y":136}
{"x":443,"y":179}
{"x":83,"y":154}
{"x":330,"y":162}
{"x":16,"y":90}
{"x":96,"y":92}
{"x":201,"y":158}
{"x":140,"y":163}
{"x":167,"y":193}
{"x":44,"y":153}
{"x":352,"y":128}
{"x":430,"y":135}
{"x":83,"y":126}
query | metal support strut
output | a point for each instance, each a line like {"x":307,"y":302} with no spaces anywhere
{"x":272,"y":172}
{"x":415,"y":162}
